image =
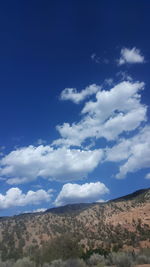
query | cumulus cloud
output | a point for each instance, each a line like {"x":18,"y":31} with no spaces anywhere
{"x":147,"y":176}
{"x":115,"y":111}
{"x":77,"y":97}
{"x":36,"y":210}
{"x":39,"y":210}
{"x":62,"y":164}
{"x":15,"y":197}
{"x":101,"y":201}
{"x":112,"y":113}
{"x":130,"y":56}
{"x":75,"y":193}
{"x":133,"y":152}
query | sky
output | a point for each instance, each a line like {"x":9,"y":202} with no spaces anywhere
{"x":75,"y":96}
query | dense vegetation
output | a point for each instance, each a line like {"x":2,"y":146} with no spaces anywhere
{"x":120,"y":259}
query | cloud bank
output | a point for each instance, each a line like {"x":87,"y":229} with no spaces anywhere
{"x":116,"y":115}
{"x":75,"y":193}
{"x":133,"y":152}
{"x":114,"y":112}
{"x":28,"y":163}
{"x":112,"y":127}
{"x":14,"y":197}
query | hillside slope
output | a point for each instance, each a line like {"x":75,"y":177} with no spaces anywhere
{"x":123,"y":223}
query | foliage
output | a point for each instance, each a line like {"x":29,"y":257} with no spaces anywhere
{"x":96,"y":259}
{"x":120,"y":259}
{"x":75,"y":263}
{"x":143,"y":257}
{"x":57,"y":263}
{"x":100,"y":251}
{"x":25,"y":262}
{"x":124,"y":260}
{"x":61,"y":248}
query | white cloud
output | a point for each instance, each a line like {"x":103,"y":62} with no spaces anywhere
{"x":134,"y":152}
{"x":147,"y":176}
{"x":115,"y":111}
{"x":39,"y":210}
{"x":77,"y":97}
{"x":130,"y":56}
{"x":15,"y":197}
{"x":62,"y":164}
{"x":95,"y":58}
{"x":35,"y":211}
{"x":101,"y":201}
{"x":75,"y":193}
{"x":121,"y":97}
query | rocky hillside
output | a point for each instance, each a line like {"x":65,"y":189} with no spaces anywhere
{"x":120,"y":224}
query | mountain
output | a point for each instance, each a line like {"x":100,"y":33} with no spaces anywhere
{"x":132,"y":195}
{"x":70,"y":208}
{"x":119,"y":224}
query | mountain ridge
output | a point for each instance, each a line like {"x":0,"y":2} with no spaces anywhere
{"x":74,"y":207}
{"x":114,"y":225}
{"x":80,"y":206}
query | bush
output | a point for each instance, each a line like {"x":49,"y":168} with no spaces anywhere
{"x":64,"y":247}
{"x":75,"y":263}
{"x":8,"y":263}
{"x":46,"y":265}
{"x":25,"y":262}
{"x":56,"y":263}
{"x":142,"y":259}
{"x":123,"y":260}
{"x":120,"y":259}
{"x":111,"y":259}
{"x":96,"y":259}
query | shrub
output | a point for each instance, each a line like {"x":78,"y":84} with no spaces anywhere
{"x":142,"y":259}
{"x":64,"y":247}
{"x":123,"y":260}
{"x":46,"y":265}
{"x":57,"y":263}
{"x":8,"y":263}
{"x":75,"y":263}
{"x":25,"y":262}
{"x":111,"y":259}
{"x":96,"y":259}
{"x":120,"y":259}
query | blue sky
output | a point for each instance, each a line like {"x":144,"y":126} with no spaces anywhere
{"x":74,"y":79}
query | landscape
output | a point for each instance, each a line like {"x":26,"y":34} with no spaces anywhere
{"x":75,"y":133}
{"x":81,"y":231}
